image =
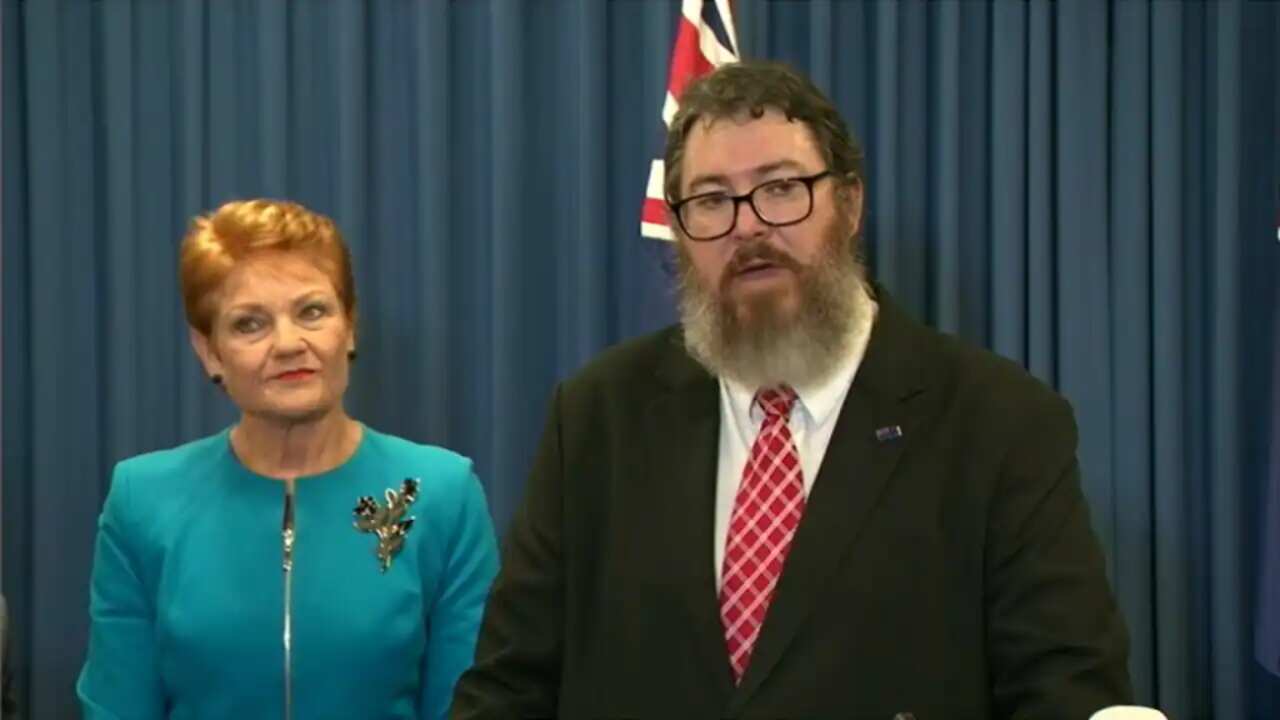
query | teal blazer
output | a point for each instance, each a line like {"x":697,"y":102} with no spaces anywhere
{"x":187,"y":596}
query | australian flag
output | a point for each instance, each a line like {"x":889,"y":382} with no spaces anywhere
{"x":705,"y":40}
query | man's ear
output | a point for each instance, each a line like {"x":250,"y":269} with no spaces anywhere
{"x":854,"y":207}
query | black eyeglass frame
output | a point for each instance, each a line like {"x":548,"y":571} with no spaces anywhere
{"x":748,"y":198}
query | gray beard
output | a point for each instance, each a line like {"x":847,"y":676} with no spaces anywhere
{"x":798,"y":349}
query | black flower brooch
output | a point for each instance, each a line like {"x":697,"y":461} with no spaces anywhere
{"x":385,"y":521}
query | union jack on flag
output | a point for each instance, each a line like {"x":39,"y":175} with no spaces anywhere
{"x":705,"y":40}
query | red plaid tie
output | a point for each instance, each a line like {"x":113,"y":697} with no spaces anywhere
{"x":766,"y":511}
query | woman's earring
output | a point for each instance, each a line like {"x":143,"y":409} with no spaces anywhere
{"x":351,"y":355}
{"x":216,"y":379}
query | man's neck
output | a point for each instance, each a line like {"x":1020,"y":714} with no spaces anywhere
{"x":289,"y":449}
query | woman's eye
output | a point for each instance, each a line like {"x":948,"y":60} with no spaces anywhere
{"x":315,"y":311}
{"x":246,"y":325}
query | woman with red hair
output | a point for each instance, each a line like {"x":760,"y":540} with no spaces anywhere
{"x":299,"y":563}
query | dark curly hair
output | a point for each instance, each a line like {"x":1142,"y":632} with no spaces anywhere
{"x":751,"y":87}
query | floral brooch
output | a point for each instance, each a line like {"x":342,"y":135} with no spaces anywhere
{"x":385,"y":521}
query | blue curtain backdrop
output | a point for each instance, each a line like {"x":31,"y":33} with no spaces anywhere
{"x":1089,"y":188}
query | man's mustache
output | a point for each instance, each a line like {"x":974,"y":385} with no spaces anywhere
{"x":759,"y":251}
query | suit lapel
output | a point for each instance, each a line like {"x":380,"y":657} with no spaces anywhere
{"x":853,"y":475}
{"x":683,"y":429}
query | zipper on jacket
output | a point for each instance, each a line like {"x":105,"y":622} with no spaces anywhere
{"x":287,"y":536}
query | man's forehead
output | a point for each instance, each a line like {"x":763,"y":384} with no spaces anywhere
{"x":744,"y":143}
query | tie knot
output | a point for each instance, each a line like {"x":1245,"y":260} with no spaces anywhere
{"x":776,"y":401}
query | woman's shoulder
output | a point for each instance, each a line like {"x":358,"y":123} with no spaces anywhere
{"x":181,"y":461}
{"x":153,"y":492}
{"x":437,"y":469}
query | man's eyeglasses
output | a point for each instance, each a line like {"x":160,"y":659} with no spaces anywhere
{"x":710,"y":216}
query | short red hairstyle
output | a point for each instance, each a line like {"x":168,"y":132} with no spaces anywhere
{"x":217,"y":241}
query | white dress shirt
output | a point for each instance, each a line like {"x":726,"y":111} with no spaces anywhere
{"x":812,"y":421}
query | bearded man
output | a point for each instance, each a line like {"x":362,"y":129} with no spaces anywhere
{"x":799,"y":502}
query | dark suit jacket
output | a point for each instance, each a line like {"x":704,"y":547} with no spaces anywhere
{"x":951,"y":572}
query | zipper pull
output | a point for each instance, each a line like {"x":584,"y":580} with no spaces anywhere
{"x":287,"y":533}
